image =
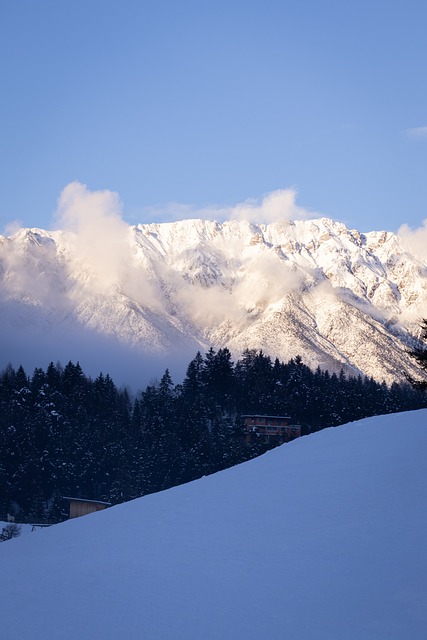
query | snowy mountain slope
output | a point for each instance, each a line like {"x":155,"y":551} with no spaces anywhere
{"x":315,"y":288}
{"x":321,"y":538}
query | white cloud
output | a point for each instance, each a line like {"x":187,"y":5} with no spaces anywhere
{"x":415,"y":240}
{"x":417,"y":132}
{"x":261,"y":279}
{"x":100,"y":242}
{"x":12,"y":227}
{"x":100,"y":235}
{"x":274,"y":206}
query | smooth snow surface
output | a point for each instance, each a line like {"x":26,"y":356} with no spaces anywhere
{"x":320,"y":539}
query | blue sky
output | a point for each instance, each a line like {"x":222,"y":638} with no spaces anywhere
{"x":208,"y":104}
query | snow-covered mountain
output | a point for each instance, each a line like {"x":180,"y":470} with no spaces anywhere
{"x":318,"y":539}
{"x":337,"y":297}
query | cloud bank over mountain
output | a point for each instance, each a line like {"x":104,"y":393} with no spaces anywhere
{"x":415,"y":240}
{"x":274,"y":206}
{"x":313,"y":287}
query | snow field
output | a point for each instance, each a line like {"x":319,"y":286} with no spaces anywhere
{"x":319,"y":539}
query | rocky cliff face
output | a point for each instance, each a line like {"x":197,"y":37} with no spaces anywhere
{"x":333,"y":295}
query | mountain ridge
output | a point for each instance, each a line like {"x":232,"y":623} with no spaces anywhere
{"x":335,"y":296}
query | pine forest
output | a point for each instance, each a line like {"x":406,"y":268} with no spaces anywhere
{"x":65,"y":434}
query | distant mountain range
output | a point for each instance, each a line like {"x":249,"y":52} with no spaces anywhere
{"x":336,"y":297}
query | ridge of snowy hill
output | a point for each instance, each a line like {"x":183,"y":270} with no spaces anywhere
{"x":337,"y":297}
{"x":320,"y":538}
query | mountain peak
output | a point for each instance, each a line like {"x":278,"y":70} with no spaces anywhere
{"x":316,"y":288}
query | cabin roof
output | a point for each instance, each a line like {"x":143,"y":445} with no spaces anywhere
{"x":108,"y":504}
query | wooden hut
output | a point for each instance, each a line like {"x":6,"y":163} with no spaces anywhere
{"x":276,"y":428}
{"x":81,"y":507}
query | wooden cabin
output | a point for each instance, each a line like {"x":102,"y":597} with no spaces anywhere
{"x":81,"y":507}
{"x":269,"y":428}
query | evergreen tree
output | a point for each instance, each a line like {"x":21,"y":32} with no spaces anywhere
{"x":420,"y":356}
{"x":62,"y":433}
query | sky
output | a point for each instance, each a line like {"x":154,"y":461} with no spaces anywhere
{"x":321,"y":538}
{"x":184,"y":108}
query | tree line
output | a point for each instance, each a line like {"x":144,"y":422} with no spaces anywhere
{"x":65,"y":434}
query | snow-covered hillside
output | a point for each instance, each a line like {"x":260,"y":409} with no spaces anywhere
{"x":337,"y":297}
{"x":321,"y":538}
